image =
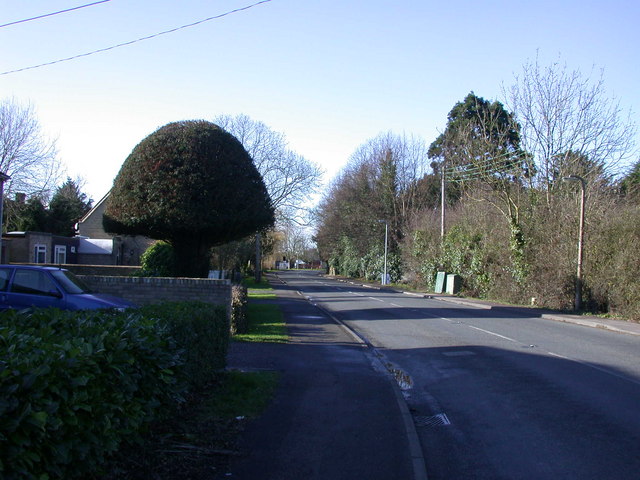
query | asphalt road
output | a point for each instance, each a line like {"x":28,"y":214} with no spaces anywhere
{"x":498,"y":393}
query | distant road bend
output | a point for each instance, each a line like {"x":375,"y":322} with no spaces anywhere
{"x":499,"y":395}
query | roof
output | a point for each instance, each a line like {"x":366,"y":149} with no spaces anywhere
{"x":96,"y":246}
{"x":95,"y":207}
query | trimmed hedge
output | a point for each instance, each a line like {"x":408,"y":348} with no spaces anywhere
{"x":239,"y":318}
{"x":201,"y":330}
{"x":74,"y":386}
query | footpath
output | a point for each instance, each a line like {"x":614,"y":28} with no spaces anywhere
{"x":337,"y":413}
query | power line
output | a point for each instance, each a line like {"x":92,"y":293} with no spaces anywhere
{"x":53,"y":13}
{"x":131,"y":42}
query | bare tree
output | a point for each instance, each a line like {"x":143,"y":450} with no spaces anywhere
{"x":26,"y":155}
{"x":566,"y":119}
{"x":290,"y":178}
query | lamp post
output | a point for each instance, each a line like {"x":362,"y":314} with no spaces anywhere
{"x":3,"y":178}
{"x":578,"y":298}
{"x":386,"y":234}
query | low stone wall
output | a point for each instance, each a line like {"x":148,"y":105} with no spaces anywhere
{"x":147,"y":290}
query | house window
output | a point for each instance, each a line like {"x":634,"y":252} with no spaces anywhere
{"x":40,"y":254}
{"x":60,"y":255}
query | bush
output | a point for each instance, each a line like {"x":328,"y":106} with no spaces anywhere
{"x":158,"y":260}
{"x":201,"y":330}
{"x":74,"y":386}
{"x":239,"y":318}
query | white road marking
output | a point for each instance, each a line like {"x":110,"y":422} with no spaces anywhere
{"x":494,"y":334}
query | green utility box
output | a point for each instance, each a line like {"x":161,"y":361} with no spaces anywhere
{"x":440,"y":279}
{"x":453,"y":283}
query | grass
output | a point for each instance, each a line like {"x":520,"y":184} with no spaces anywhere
{"x":266,"y":324}
{"x":260,"y":290}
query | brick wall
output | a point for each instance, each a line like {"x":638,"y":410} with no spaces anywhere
{"x":147,"y":290}
{"x":104,"y":270}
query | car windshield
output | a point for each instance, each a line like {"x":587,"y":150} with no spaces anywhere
{"x":70,"y":282}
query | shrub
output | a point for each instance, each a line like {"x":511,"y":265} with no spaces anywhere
{"x":239,"y":318}
{"x":158,"y":260}
{"x":74,"y":386}
{"x":201,"y":330}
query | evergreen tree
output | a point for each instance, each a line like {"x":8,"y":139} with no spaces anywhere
{"x":193,"y":185}
{"x":67,"y":206}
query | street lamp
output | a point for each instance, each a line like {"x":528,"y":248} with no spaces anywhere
{"x":576,"y":178}
{"x":3,"y":178}
{"x":386,"y":235}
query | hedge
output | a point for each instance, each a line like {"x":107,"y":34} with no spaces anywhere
{"x":201,"y":330}
{"x":74,"y":386}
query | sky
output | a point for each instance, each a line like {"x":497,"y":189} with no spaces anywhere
{"x":329,"y":74}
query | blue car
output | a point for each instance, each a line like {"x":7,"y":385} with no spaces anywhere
{"x":41,"y":287}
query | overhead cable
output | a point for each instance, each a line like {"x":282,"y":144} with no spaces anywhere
{"x":53,"y":13}
{"x":131,"y":42}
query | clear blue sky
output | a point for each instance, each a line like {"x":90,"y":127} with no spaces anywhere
{"x":329,"y":74}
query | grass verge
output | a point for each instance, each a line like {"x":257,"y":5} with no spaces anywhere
{"x":266,"y":324}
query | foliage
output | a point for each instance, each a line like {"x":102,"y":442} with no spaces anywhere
{"x":612,"y":273}
{"x":192,"y":184}
{"x":67,"y":206}
{"x":380,"y":183}
{"x":630,"y":184}
{"x":158,"y":260}
{"x":201,"y":330}
{"x":75,"y":386}
{"x":481,"y":139}
{"x":512,"y":223}
{"x":239,"y":320}
{"x":31,"y":215}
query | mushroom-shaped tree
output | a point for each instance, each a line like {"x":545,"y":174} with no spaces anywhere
{"x":192,"y":184}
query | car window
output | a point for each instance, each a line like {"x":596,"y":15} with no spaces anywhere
{"x":70,"y":282}
{"x":5,"y":273}
{"x":33,"y":282}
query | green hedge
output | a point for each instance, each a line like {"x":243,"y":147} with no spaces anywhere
{"x":75,"y":385}
{"x":239,"y":318}
{"x":201,"y":330}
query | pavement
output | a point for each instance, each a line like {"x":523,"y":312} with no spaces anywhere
{"x":337,"y":413}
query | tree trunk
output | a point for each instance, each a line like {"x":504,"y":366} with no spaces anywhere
{"x":192,"y":257}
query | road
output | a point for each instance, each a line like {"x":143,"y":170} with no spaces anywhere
{"x":498,"y":393}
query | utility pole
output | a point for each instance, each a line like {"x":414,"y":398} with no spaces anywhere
{"x":442,"y":201}
{"x":258,"y":272}
{"x":386,"y":242}
{"x":3,"y":178}
{"x":578,"y":296}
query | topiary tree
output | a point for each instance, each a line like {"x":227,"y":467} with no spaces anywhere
{"x":193,"y":185}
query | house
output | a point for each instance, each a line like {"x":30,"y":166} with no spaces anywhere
{"x":104,"y":247}
{"x":39,"y":247}
{"x":91,"y":246}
